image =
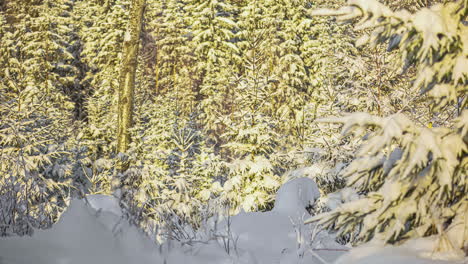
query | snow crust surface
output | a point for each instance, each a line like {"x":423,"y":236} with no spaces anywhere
{"x":93,"y":231}
{"x":417,"y":251}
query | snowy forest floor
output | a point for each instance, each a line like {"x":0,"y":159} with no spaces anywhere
{"x":93,"y":230}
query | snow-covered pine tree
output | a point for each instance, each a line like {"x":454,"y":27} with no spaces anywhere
{"x":212,"y":29}
{"x":174,"y":61}
{"x":413,"y":177}
{"x":173,"y":171}
{"x":189,"y":179}
{"x":344,"y":79}
{"x":349,"y":79}
{"x":290,"y":86}
{"x":250,"y":86}
{"x":146,"y":187}
{"x":35,"y":114}
{"x":254,"y":173}
{"x":251,"y":136}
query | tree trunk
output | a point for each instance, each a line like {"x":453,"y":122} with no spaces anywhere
{"x":127,"y":75}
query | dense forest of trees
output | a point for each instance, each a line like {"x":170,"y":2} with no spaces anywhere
{"x":188,"y":108}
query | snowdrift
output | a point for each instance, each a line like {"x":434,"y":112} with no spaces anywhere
{"x":93,"y":231}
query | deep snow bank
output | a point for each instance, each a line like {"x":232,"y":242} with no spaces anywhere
{"x":279,"y":236}
{"x":93,"y":231}
{"x":82,"y":235}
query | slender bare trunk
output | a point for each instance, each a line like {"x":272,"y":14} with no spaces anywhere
{"x":127,"y":75}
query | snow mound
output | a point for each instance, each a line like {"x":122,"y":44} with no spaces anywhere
{"x":273,"y":237}
{"x":82,"y":235}
{"x":280,"y":236}
{"x":294,"y":196}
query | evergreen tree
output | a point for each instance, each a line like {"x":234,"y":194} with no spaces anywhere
{"x":212,"y":29}
{"x":254,"y":173}
{"x":174,"y":171}
{"x":35,"y":114}
{"x":174,"y":68}
{"x":413,"y":177}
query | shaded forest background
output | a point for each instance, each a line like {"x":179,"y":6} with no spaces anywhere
{"x":227,"y":97}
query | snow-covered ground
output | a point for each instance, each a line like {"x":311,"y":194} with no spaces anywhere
{"x":93,"y":231}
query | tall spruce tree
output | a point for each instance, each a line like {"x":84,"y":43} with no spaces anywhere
{"x":212,"y":28}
